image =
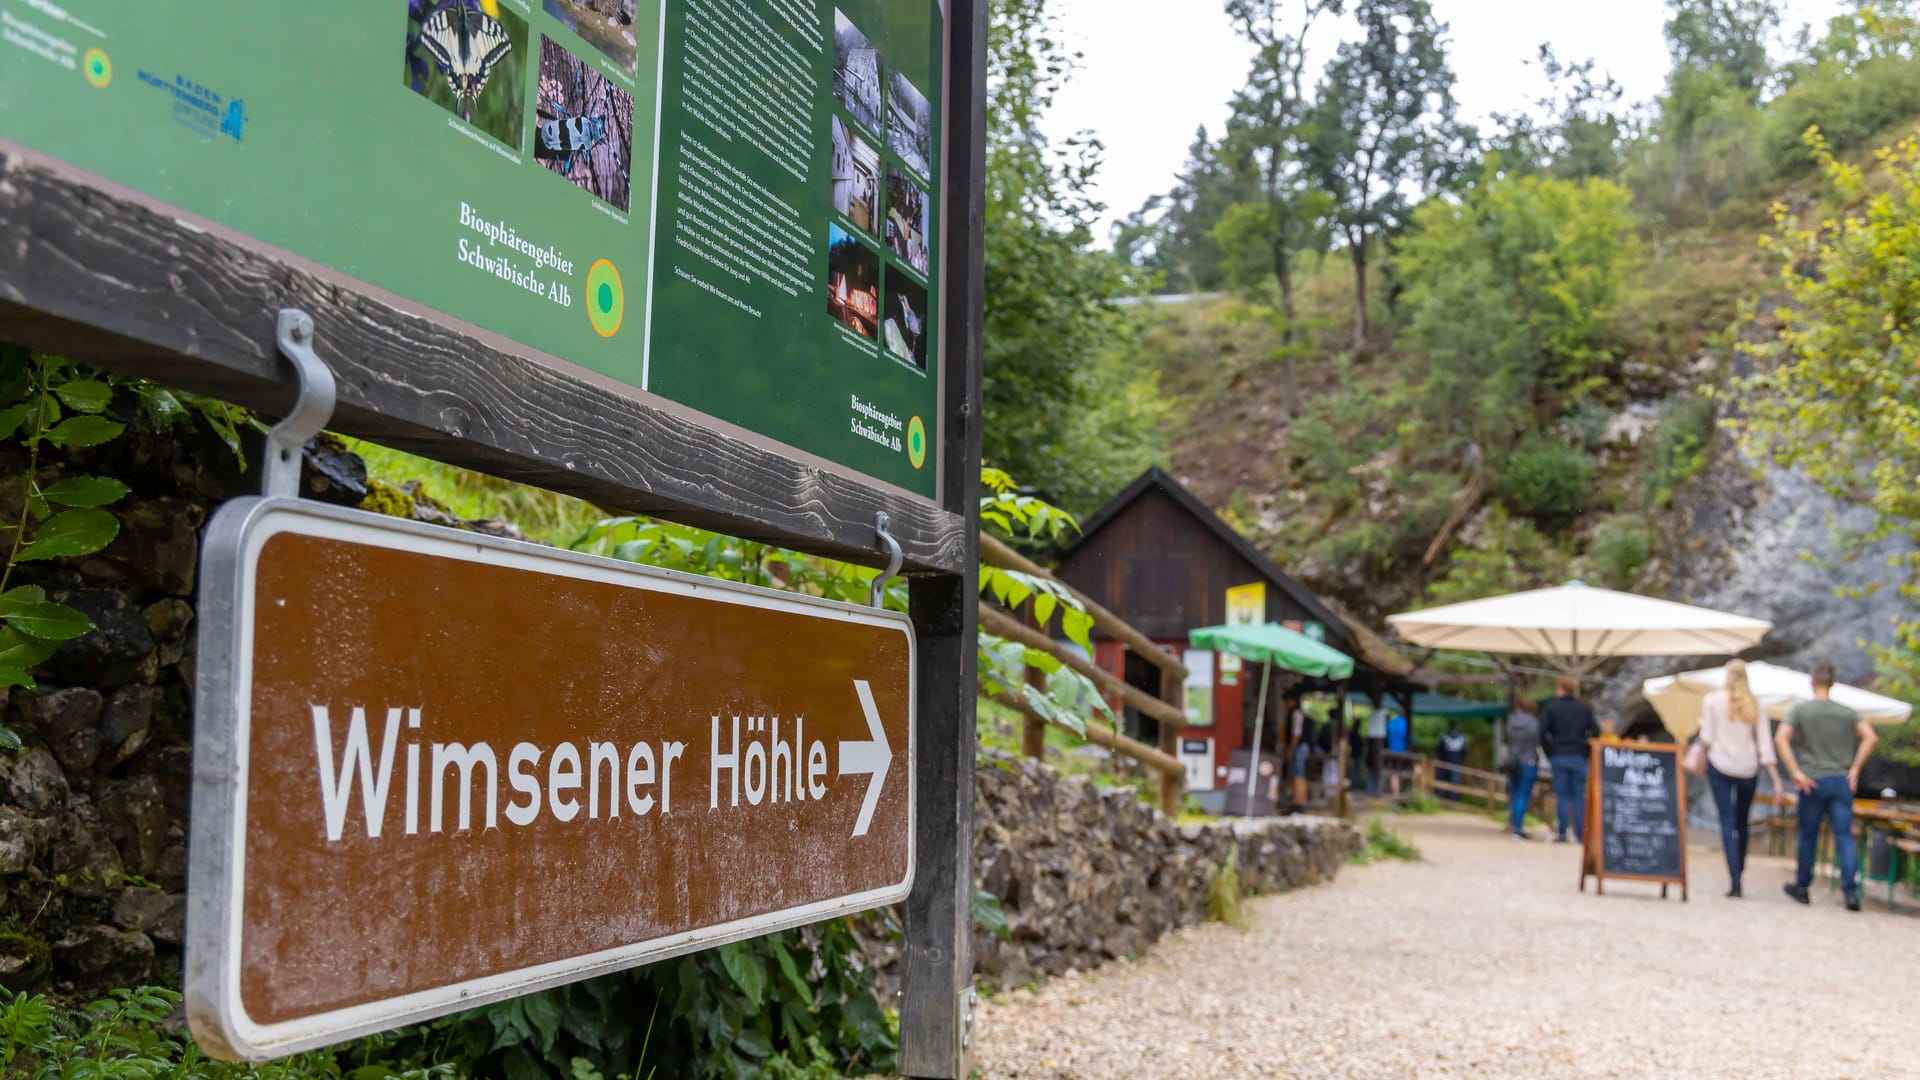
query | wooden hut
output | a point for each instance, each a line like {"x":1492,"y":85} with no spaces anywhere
{"x":1158,"y":558}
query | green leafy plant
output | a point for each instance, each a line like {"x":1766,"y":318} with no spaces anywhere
{"x":1680,"y":447}
{"x":1382,"y":842}
{"x":1419,"y":802}
{"x":1546,"y":480}
{"x":128,"y":1035}
{"x":1224,"y":897}
{"x":50,"y":407}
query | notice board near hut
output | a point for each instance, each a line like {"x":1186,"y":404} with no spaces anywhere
{"x":1636,"y":815}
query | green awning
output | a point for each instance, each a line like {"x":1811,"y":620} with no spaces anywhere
{"x":1276,"y":644}
{"x":1440,"y":705}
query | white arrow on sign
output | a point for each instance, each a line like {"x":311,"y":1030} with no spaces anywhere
{"x":870,"y":756}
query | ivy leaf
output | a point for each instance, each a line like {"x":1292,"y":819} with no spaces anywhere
{"x":49,"y":622}
{"x":543,"y":1013}
{"x":70,"y":533}
{"x":85,"y":491}
{"x":1043,"y":606}
{"x":85,"y":431}
{"x":11,"y":418}
{"x":85,"y":395}
{"x":988,"y":915}
{"x":19,"y":653}
{"x":1078,"y":626}
{"x":792,"y":972}
{"x":21,"y":596}
{"x":9,"y":740}
{"x":748,"y":971}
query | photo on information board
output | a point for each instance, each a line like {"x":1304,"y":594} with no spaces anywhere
{"x":905,"y":329}
{"x":853,"y":282}
{"x":856,"y":72}
{"x":583,"y":127}
{"x":907,"y":216}
{"x":910,"y":125}
{"x":607,"y":25}
{"x":470,"y":58}
{"x":855,"y":173}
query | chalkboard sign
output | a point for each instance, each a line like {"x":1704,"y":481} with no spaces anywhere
{"x":1636,"y":815}
{"x":1266,"y":786}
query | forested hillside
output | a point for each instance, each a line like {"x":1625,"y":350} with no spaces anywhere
{"x":1419,"y":362}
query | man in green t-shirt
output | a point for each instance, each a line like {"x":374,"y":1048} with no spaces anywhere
{"x":1824,"y":745}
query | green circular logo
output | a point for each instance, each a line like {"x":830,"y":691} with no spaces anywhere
{"x":97,"y":68}
{"x":916,"y":442}
{"x":606,"y":298}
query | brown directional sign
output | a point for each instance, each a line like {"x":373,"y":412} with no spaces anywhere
{"x":434,"y":769}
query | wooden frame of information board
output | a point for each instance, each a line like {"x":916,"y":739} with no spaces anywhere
{"x":1592,"y":849}
{"x":101,"y":274}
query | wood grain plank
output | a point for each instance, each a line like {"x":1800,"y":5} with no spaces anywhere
{"x":115,"y":283}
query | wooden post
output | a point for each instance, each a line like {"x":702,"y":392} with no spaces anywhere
{"x":936,"y":982}
{"x":1033,"y":730}
{"x":1338,"y":802}
{"x":1173,"y":787}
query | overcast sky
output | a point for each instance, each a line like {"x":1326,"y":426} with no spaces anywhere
{"x":1154,"y":70}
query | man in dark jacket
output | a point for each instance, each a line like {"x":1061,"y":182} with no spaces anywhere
{"x":1566,"y":725}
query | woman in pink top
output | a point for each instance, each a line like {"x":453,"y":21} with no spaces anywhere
{"x":1734,"y":730}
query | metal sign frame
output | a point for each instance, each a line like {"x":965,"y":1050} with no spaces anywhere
{"x":95,"y":273}
{"x":222,"y":739}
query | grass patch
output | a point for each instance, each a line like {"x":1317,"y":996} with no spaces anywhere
{"x":1419,"y":802}
{"x":542,"y":515}
{"x":1225,"y":900}
{"x":1383,"y":843}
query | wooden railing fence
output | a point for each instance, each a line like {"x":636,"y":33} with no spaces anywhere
{"x":1168,"y":708}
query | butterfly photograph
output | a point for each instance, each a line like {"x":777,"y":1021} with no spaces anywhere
{"x":470,"y":58}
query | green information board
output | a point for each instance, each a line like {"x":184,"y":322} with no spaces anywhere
{"x":731,"y":206}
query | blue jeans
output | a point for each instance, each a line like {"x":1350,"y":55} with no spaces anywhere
{"x":1831,"y":799}
{"x":1519,"y":794}
{"x":1733,"y":799}
{"x":1570,"y":793}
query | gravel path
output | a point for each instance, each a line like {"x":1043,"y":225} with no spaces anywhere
{"x":1483,"y":960}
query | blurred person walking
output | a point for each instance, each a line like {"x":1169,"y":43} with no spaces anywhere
{"x":1522,"y":764}
{"x":1824,"y":745}
{"x":1739,"y":741}
{"x":1567,"y":725}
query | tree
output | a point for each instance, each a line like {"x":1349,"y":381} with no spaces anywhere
{"x":1051,"y":322}
{"x":1512,"y":295}
{"x":1838,"y":392}
{"x":1264,"y":143}
{"x":1584,"y":128}
{"x":1171,"y":235}
{"x":1724,"y":36}
{"x":1384,"y":123}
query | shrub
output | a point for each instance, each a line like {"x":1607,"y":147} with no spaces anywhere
{"x":1383,"y":843}
{"x":1223,"y":893}
{"x":1546,"y":480}
{"x":1680,"y":447}
{"x":1621,"y":547}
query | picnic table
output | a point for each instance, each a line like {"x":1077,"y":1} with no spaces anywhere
{"x":1900,"y":821}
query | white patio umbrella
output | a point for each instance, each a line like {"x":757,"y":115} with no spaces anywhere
{"x":1575,"y":626}
{"x":1677,"y":697}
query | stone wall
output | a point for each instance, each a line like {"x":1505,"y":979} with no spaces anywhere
{"x":93,"y":808}
{"x":1086,"y":874}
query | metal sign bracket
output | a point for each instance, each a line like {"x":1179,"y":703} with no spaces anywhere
{"x":894,"y":559}
{"x":293,"y":332}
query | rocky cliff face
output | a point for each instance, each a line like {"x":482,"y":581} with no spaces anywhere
{"x":1763,"y":541}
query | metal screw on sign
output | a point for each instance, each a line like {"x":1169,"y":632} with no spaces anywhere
{"x":894,"y":558}
{"x":310,"y":412}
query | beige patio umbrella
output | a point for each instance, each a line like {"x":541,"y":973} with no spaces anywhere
{"x":1677,"y":697}
{"x":1575,"y":626}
